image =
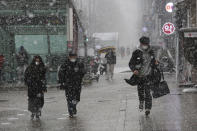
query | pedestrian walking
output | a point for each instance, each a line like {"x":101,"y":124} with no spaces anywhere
{"x":141,"y":63}
{"x":111,"y":61}
{"x":22,"y":62}
{"x":70,"y":75}
{"x":36,"y":81}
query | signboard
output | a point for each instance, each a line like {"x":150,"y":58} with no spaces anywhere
{"x":106,"y":39}
{"x":168,"y":28}
{"x":190,"y":34}
{"x":169,"y":7}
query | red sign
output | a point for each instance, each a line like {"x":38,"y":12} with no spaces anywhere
{"x":69,"y":45}
{"x":168,"y":28}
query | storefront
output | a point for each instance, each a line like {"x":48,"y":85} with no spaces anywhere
{"x":42,"y":29}
{"x":189,"y":44}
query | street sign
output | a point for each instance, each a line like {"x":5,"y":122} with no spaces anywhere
{"x":169,"y":7}
{"x":168,"y":28}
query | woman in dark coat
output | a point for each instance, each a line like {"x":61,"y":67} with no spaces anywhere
{"x":36,"y":82}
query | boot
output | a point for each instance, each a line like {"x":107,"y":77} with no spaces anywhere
{"x":147,"y":113}
{"x":38,"y":114}
{"x":32,"y":116}
{"x":141,"y":106}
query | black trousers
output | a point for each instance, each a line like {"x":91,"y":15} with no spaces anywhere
{"x":72,"y":97}
{"x":36,"y":103}
{"x":144,"y":93}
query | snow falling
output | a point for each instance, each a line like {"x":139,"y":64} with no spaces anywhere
{"x":98,"y":65}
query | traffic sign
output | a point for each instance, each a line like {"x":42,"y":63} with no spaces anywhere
{"x":168,"y":28}
{"x":169,"y":7}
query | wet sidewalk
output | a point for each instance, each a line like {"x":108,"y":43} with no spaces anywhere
{"x":104,"y":106}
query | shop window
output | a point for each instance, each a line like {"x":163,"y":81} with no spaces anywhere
{"x":34,"y":44}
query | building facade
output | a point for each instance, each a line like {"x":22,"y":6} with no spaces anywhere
{"x":49,"y":28}
{"x":186,"y":15}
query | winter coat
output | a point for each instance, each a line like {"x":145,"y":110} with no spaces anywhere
{"x":71,"y":74}
{"x":22,"y":58}
{"x":111,"y":58}
{"x":137,"y":60}
{"x":35,"y":79}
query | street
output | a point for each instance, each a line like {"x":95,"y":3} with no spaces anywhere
{"x":104,"y":106}
{"x":48,"y":45}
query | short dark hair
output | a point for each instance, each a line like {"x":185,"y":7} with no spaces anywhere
{"x":144,"y":40}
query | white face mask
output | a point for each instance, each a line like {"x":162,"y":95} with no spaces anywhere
{"x":73,"y":60}
{"x":144,"y":47}
{"x":37,"y":63}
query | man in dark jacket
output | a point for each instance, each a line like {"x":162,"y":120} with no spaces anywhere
{"x":111,"y":61}
{"x":142,"y":63}
{"x":70,"y":75}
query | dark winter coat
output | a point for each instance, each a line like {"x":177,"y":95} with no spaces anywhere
{"x":35,"y":79}
{"x":22,"y":58}
{"x":111,"y":58}
{"x":70,"y":78}
{"x":137,"y":60}
{"x":71,"y":74}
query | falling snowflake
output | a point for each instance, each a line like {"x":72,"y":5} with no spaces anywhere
{"x":51,"y":4}
{"x":30,"y":15}
{"x":35,"y":42}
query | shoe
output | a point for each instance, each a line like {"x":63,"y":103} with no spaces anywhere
{"x":147,"y":113}
{"x":37,"y":117}
{"x":38,"y":114}
{"x":32,"y":116}
{"x":71,"y":115}
{"x":141,"y":106}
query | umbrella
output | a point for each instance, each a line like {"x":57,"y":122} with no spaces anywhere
{"x":106,"y":49}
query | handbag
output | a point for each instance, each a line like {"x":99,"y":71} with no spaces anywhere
{"x":161,"y":89}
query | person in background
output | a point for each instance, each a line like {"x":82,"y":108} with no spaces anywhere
{"x":35,"y":79}
{"x":70,"y":75}
{"x":22,"y":62}
{"x":141,"y":64}
{"x":111,"y":61}
{"x":2,"y":60}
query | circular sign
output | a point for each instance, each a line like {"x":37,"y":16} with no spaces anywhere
{"x":168,"y":28}
{"x":169,"y":7}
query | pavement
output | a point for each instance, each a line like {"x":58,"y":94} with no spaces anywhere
{"x":105,"y":106}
